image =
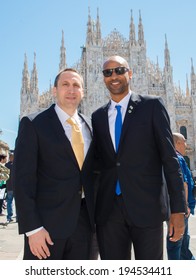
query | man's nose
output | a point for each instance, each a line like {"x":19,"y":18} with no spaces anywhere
{"x":70,"y":89}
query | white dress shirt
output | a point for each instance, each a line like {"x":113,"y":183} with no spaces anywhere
{"x":112,"y":112}
{"x":63,"y":117}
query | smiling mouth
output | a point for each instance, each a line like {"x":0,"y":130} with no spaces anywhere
{"x":71,"y":97}
{"x":115,"y":82}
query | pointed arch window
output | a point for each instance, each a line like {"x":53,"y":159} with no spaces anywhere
{"x":183,"y":131}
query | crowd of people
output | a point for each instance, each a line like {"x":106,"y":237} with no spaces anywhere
{"x":103,"y":186}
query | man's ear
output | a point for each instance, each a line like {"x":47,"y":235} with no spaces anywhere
{"x":54,"y":91}
{"x":82,"y":94}
{"x":130,"y":74}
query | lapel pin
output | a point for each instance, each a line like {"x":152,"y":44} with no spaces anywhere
{"x":130,"y":109}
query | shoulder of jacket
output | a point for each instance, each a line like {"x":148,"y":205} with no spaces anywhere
{"x":102,"y":109}
{"x":32,"y":116}
{"x":86,"y":119}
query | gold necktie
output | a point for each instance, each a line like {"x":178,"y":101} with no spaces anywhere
{"x":77,"y":142}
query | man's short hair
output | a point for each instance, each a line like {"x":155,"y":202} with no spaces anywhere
{"x":65,"y":70}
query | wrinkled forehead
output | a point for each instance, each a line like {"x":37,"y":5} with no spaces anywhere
{"x":115,"y":61}
{"x":72,"y":76}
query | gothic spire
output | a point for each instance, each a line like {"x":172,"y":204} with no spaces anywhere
{"x":167,"y":55}
{"x":179,"y":88}
{"x":89,"y":37}
{"x":192,"y":68}
{"x":25,"y":89}
{"x":98,"y":29}
{"x":34,"y":78}
{"x":193,"y":79}
{"x":169,"y":87}
{"x":132,"y":31}
{"x":187,"y":87}
{"x":62,"y":64}
{"x":140,"y":31}
{"x":158,"y":72}
{"x":25,"y":76}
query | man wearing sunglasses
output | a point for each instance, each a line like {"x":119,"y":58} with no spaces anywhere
{"x":134,"y":145}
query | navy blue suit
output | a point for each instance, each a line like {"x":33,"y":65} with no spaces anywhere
{"x":48,"y":181}
{"x":145,"y":150}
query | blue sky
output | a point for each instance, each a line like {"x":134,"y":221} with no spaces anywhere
{"x":36,"y":26}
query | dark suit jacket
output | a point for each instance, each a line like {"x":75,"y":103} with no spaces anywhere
{"x":47,"y":178}
{"x":146,"y":146}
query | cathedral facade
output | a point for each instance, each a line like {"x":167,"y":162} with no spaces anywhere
{"x":148,"y":78}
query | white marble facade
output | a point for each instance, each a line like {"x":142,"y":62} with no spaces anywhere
{"x":148,"y":78}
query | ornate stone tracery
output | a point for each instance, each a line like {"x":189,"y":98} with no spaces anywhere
{"x":148,"y":78}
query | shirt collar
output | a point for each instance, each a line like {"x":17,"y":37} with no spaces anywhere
{"x":178,"y":153}
{"x":63,"y":116}
{"x":123,"y":103}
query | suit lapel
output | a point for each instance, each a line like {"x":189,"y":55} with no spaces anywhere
{"x":134,"y":101}
{"x":105,"y":127}
{"x":132,"y":106}
{"x":59,"y":132}
{"x":87,"y":121}
{"x":88,"y":124}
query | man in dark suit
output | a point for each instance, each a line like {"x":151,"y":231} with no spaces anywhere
{"x":129,"y":206}
{"x":54,"y":195}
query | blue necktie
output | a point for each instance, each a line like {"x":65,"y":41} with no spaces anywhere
{"x":118,"y":128}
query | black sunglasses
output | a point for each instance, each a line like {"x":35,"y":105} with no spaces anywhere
{"x":118,"y":70}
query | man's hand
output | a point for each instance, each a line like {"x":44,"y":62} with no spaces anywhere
{"x":176,"y":226}
{"x":188,"y":212}
{"x":38,"y":243}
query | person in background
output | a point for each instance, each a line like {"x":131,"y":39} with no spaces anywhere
{"x":4,"y":176}
{"x":180,"y":250}
{"x":133,"y":144}
{"x":53,"y":176}
{"x":9,"y":189}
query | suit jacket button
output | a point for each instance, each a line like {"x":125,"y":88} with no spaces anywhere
{"x":80,"y":192}
{"x":118,"y":164}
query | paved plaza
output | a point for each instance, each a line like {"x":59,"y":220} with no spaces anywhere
{"x":11,"y":243}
